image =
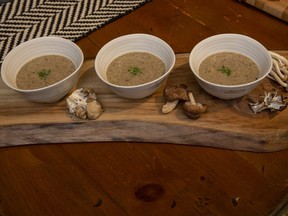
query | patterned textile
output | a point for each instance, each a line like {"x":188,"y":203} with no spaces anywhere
{"x":277,"y":8}
{"x":22,"y":20}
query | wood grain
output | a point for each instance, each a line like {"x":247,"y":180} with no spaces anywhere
{"x":228,"y":124}
{"x":182,"y":24}
{"x":70,"y":178}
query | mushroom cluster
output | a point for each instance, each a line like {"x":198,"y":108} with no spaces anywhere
{"x":174,"y":94}
{"x":270,"y":101}
{"x":83,"y":104}
{"x":279,"y":72}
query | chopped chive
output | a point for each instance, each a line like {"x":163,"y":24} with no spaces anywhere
{"x":225,"y":70}
{"x":134,"y":70}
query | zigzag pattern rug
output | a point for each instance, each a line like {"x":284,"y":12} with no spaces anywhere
{"x":22,"y":20}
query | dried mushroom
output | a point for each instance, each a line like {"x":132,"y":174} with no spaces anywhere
{"x":94,"y":109}
{"x":270,"y":101}
{"x":172,"y":95}
{"x":83,"y":104}
{"x":193,"y":109}
{"x":179,"y":92}
{"x":169,"y":106}
{"x":279,"y":72}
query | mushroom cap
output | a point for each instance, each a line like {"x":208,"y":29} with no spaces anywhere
{"x":83,"y":104}
{"x":94,"y":109}
{"x":194,"y":108}
{"x":192,"y":115}
{"x":179,"y":92}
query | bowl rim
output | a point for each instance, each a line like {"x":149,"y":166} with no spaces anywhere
{"x":229,"y":35}
{"x":131,"y":36}
{"x":26,"y":43}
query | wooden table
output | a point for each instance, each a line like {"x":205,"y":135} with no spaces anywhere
{"x":136,"y":178}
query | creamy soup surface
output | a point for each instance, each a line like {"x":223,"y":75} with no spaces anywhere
{"x":135,"y":68}
{"x":228,"y":68}
{"x":43,"y":71}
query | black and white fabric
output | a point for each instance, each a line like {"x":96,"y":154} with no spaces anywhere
{"x":22,"y":20}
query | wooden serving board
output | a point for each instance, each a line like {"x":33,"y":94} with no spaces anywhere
{"x":228,"y":124}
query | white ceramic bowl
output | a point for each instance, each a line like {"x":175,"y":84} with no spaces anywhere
{"x":230,"y":43}
{"x":134,"y":43}
{"x":31,"y":49}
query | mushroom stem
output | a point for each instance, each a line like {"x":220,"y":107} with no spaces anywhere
{"x":277,"y":70}
{"x":271,"y":77}
{"x":191,"y":98}
{"x":277,"y":78}
{"x":284,"y":69}
{"x":279,"y":57}
{"x":169,"y":106}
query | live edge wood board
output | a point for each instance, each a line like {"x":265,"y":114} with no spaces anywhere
{"x":228,"y":124}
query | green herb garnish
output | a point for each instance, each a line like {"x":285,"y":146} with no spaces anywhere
{"x":225,"y":70}
{"x":43,"y":74}
{"x":134,"y":70}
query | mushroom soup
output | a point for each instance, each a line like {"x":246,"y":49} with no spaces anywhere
{"x":135,"y":68}
{"x":44,"y":71}
{"x":228,"y":68}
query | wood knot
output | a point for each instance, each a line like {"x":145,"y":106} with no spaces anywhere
{"x":149,"y":192}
